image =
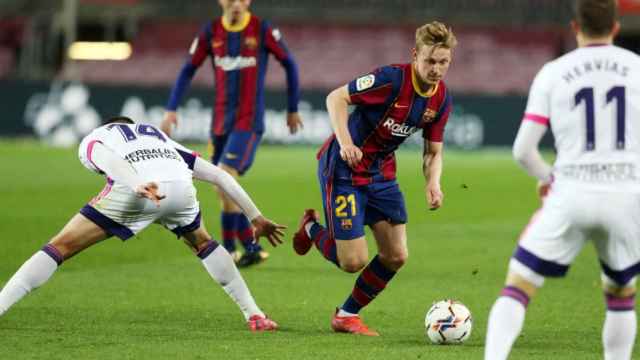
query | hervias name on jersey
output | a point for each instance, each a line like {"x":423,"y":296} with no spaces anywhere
{"x":589,"y":66}
{"x":150,"y":154}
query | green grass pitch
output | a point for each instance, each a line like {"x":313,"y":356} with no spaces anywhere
{"x":150,"y":298}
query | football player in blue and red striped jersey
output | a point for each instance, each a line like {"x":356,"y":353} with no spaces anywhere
{"x":239,"y":45}
{"x":357,"y":168}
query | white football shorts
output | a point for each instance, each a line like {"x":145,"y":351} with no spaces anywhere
{"x":122,"y":213}
{"x":568,"y":219}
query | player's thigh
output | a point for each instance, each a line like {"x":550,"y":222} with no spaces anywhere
{"x":343,"y":206}
{"x":550,"y":242}
{"x":240,"y":150}
{"x":120,"y":212}
{"x":78,"y":234}
{"x":617,"y":244}
{"x":385,"y":203}
{"x":181,"y":209}
{"x":391,"y":240}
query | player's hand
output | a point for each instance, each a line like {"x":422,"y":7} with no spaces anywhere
{"x":434,"y":196}
{"x":294,"y":122}
{"x":266,"y":228}
{"x":150,"y":191}
{"x":351,"y":154}
{"x":169,"y":122}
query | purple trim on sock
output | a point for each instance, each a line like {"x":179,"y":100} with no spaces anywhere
{"x":108,"y":225}
{"x":621,"y":277}
{"x":181,"y":230}
{"x":620,"y":304}
{"x":540,"y":266}
{"x":516,"y":294}
{"x":211,"y":245}
{"x":53,"y":253}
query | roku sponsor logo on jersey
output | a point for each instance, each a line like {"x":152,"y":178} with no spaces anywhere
{"x":399,"y":129}
{"x":230,"y":63}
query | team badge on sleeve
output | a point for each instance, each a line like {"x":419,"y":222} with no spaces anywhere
{"x":365,"y":82}
{"x":276,"y":34}
{"x":194,"y":45}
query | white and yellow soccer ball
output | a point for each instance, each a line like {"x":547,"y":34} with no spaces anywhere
{"x":448,"y":322}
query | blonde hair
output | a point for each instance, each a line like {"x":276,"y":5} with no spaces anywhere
{"x":435,"y":34}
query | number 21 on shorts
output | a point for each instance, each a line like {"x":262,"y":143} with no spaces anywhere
{"x":343,"y":203}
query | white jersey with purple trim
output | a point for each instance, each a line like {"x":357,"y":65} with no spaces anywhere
{"x":591,"y":99}
{"x":151,"y":153}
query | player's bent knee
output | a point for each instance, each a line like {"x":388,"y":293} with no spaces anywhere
{"x":394,"y":261}
{"x":518,"y":281}
{"x":353,"y":265}
{"x":613,"y":288}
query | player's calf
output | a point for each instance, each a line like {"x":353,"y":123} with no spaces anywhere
{"x":77,"y":235}
{"x":220,"y":266}
{"x":620,"y":324}
{"x":506,"y":318}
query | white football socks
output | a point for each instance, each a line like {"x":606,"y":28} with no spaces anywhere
{"x":220,"y":266}
{"x":307,"y":228}
{"x":618,"y":334}
{"x":505,"y":323}
{"x":32,"y":274}
{"x":343,"y":313}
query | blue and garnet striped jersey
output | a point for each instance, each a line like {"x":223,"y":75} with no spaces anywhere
{"x":239,"y":55}
{"x":389,"y":107}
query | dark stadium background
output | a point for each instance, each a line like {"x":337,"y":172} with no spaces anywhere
{"x":502,"y":43}
{"x":149,"y":298}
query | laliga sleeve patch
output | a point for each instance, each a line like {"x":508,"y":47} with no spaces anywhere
{"x":194,"y":45}
{"x":276,"y":34}
{"x":365,"y":82}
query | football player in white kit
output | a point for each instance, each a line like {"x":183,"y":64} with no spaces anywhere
{"x":590,"y":98}
{"x":149,"y":179}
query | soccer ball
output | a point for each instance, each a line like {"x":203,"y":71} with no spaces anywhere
{"x":448,"y":322}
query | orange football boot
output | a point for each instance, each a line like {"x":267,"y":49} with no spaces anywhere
{"x":261,"y":323}
{"x":301,"y":241}
{"x":351,"y":325}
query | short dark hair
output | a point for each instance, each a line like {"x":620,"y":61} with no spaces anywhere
{"x":596,"y":17}
{"x":119,"y":119}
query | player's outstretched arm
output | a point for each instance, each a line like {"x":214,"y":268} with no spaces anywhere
{"x":526,"y":153}
{"x":432,"y":169}
{"x":204,"y":170}
{"x":338,"y":107}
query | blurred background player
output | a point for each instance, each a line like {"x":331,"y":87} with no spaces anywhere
{"x":588,"y":97}
{"x":238,"y":44}
{"x":357,"y":167}
{"x":149,"y":179}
